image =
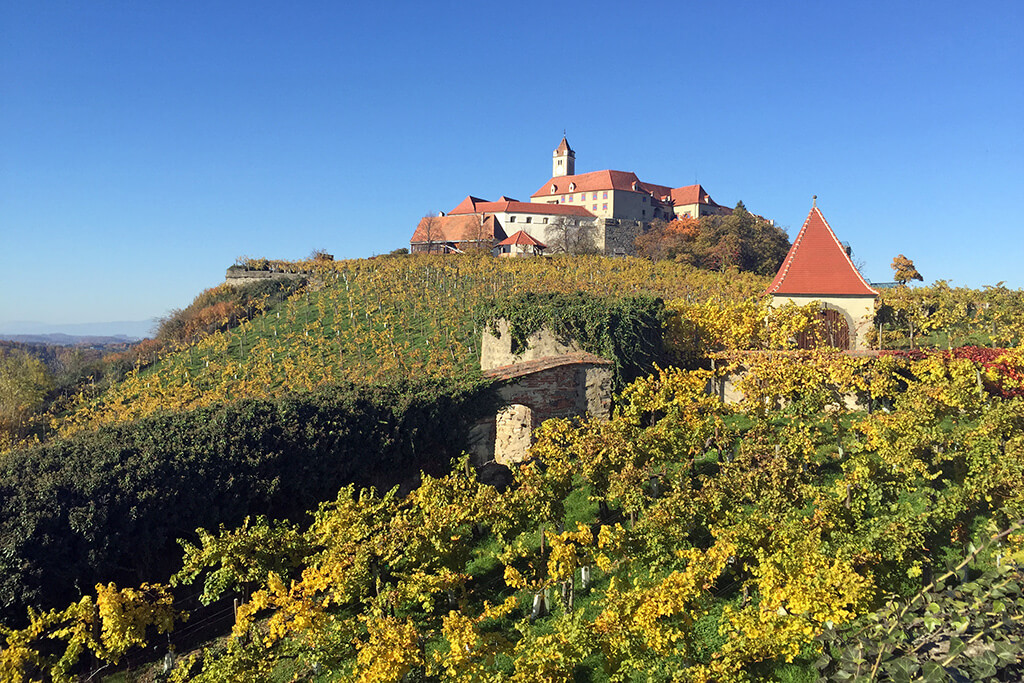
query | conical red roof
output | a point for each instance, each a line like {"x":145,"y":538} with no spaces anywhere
{"x":818,"y":264}
{"x":521,"y":238}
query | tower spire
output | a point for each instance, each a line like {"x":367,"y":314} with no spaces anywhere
{"x":564,"y":159}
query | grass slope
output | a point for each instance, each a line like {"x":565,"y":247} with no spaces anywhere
{"x":377,"y":319}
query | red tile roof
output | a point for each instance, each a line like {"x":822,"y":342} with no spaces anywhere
{"x":529,"y":367}
{"x":471,"y":205}
{"x":597,"y":181}
{"x":465,"y":228}
{"x":592,"y":182}
{"x":691,"y":194}
{"x":563,"y":146}
{"x":522,"y":239}
{"x":467,"y":205}
{"x":818,"y":264}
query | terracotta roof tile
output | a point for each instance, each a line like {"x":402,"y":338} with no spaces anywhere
{"x":531,"y":366}
{"x":563,"y":146}
{"x":463,"y":228}
{"x":522,"y":239}
{"x":512,"y":206}
{"x":591,"y":182}
{"x":691,"y":194}
{"x":818,"y":264}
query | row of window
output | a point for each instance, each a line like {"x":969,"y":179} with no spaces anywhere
{"x":583,"y":196}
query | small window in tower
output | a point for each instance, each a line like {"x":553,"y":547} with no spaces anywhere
{"x":559,"y":162}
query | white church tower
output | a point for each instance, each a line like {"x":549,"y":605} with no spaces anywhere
{"x":564,"y":161}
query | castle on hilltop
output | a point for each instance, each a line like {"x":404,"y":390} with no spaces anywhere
{"x":613,"y":207}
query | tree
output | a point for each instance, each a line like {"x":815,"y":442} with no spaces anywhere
{"x":740,"y":240}
{"x":479,"y":237}
{"x":663,"y":240}
{"x":430,"y":232}
{"x":24,"y":383}
{"x":904,"y":270}
{"x":566,"y":235}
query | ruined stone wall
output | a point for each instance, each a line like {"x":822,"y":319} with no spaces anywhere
{"x":620,"y":235}
{"x":570,"y":385}
{"x":236,"y":277}
{"x":496,"y":349}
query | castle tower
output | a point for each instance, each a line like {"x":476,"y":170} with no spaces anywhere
{"x":564,"y":161}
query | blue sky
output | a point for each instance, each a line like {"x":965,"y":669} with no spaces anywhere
{"x":144,"y":146}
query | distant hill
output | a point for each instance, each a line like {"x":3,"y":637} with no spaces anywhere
{"x":77,"y":333}
{"x":58,"y":339}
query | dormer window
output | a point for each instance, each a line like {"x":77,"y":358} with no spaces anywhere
{"x":634,"y":186}
{"x":572,"y":187}
{"x":553,"y":188}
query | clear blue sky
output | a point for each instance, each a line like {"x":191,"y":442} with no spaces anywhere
{"x":144,"y":146}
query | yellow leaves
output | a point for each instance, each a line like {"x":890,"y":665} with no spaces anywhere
{"x":657,"y":616}
{"x":107,"y":626}
{"x":470,"y":648}
{"x":800,"y":590}
{"x":126,"y":613}
{"x":514,"y":579}
{"x":390,"y":651}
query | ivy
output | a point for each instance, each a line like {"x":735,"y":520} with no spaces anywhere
{"x":108,"y":505}
{"x":626,"y":330}
{"x":967,"y":625}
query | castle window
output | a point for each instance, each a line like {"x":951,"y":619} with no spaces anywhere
{"x":545,"y":220}
{"x":605,"y":195}
{"x":511,"y":219}
{"x":604,"y":206}
{"x":529,"y":219}
{"x":559,"y":162}
{"x":595,"y":196}
{"x":595,"y":207}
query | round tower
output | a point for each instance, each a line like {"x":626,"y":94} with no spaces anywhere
{"x":564,"y":160}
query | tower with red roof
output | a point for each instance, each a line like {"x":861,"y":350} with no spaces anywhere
{"x":818,"y":268}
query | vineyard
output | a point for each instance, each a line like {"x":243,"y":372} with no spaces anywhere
{"x":851,"y":518}
{"x":796,"y":536}
{"x":374,"y":320}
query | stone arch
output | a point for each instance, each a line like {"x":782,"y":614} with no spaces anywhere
{"x":568,"y":385}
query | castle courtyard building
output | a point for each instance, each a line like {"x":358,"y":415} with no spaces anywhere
{"x":616,"y":205}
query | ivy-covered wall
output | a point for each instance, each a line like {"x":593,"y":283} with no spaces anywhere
{"x":110,"y":505}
